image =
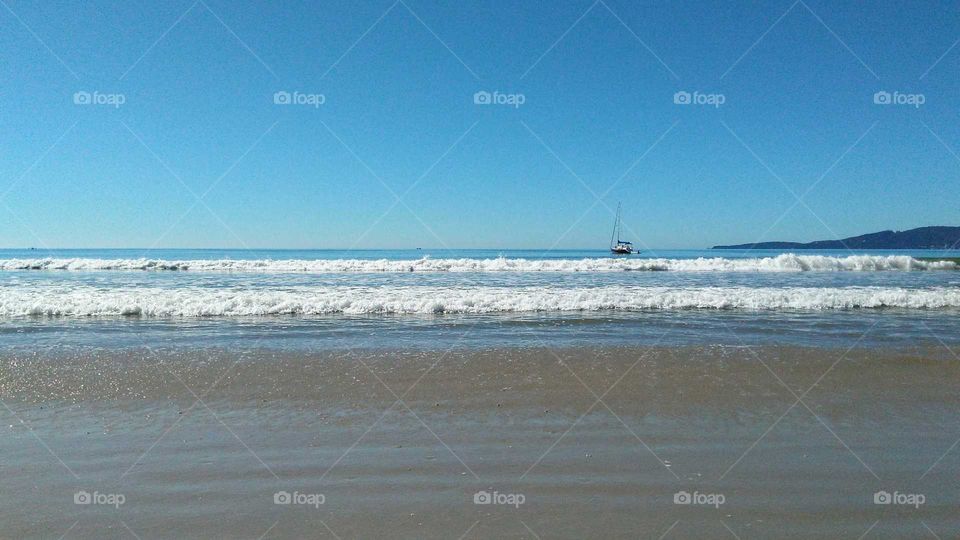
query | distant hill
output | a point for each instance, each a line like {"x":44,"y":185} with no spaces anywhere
{"x":921,"y":238}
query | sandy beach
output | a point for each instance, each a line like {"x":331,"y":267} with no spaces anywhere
{"x":570,"y":443}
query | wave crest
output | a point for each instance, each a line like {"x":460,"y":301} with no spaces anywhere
{"x":87,"y":301}
{"x":782,"y":263}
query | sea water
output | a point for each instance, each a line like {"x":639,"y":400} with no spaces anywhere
{"x":310,"y":299}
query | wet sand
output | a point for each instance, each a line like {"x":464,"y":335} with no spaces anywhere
{"x":577,"y":443}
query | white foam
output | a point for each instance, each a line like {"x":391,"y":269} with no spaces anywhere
{"x":781,"y":263}
{"x":82,"y":300}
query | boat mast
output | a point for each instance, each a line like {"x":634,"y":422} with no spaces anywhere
{"x":616,"y":227}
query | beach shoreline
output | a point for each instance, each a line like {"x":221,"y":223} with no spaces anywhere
{"x":200,"y":441}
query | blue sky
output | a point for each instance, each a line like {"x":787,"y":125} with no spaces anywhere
{"x":398,"y":79}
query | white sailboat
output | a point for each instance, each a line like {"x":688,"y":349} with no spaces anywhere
{"x":619,"y":247}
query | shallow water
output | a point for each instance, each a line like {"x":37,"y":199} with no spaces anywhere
{"x":199,"y":443}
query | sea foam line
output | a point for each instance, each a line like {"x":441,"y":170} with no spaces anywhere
{"x":86,"y":301}
{"x":782,"y":263}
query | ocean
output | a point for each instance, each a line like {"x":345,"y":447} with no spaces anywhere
{"x":309,"y":299}
{"x":478,"y":394}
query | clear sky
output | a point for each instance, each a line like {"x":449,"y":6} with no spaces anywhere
{"x":598,"y":119}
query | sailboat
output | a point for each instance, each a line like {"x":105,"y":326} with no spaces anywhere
{"x":620,"y":247}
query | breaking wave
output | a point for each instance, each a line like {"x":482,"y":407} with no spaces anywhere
{"x":85,"y":301}
{"x":781,"y":263}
